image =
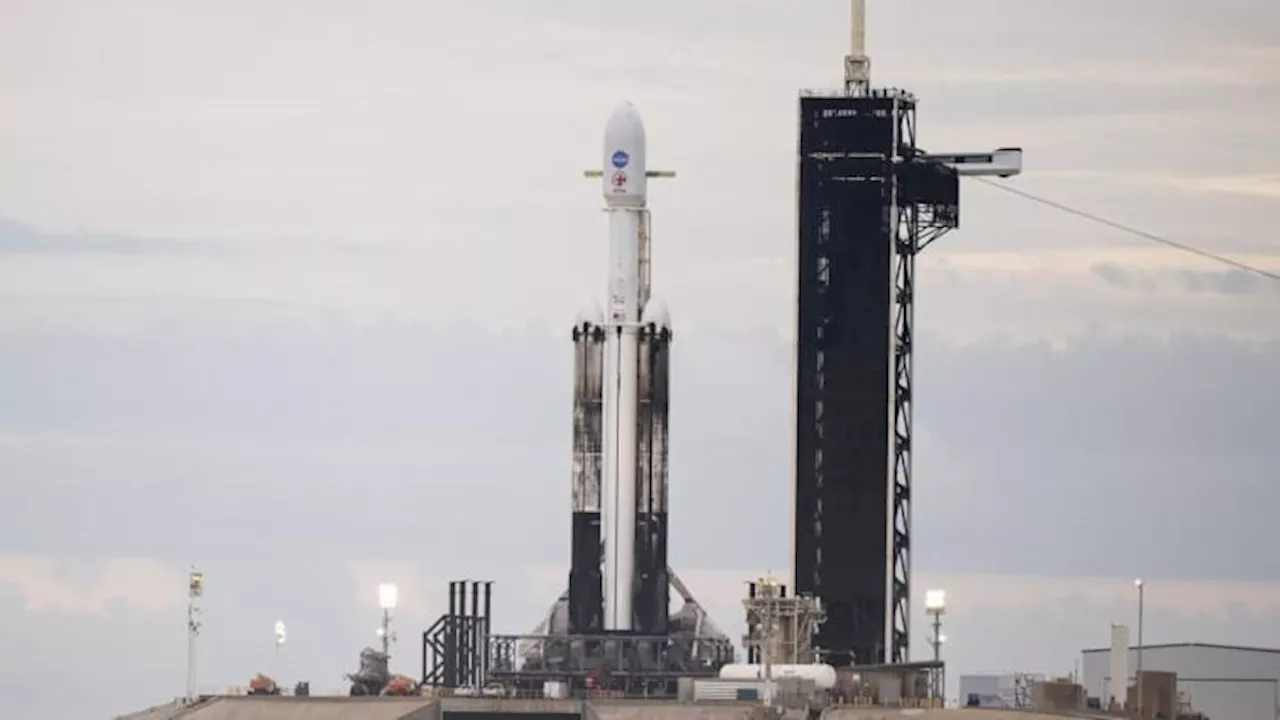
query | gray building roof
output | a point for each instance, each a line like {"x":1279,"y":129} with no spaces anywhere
{"x":311,"y":708}
{"x":1211,"y":646}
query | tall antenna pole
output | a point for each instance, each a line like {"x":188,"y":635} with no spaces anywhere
{"x":385,"y":631}
{"x":857,"y":66}
{"x":195,"y":591}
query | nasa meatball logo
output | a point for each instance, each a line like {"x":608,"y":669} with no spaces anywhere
{"x":619,"y":180}
{"x":620,"y":159}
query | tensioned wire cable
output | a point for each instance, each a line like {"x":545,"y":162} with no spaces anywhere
{"x":1151,"y":237}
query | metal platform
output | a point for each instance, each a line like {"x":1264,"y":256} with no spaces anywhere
{"x":460,"y":651}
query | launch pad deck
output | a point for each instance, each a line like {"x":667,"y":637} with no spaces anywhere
{"x":459,"y":651}
{"x":341,"y":708}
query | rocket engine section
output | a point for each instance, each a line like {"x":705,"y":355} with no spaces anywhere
{"x":586,"y":599}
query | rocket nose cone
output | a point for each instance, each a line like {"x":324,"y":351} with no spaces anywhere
{"x":623,"y":161}
{"x":656,"y":313}
{"x":625,"y":118}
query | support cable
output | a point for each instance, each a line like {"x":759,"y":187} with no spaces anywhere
{"x":1151,"y":237}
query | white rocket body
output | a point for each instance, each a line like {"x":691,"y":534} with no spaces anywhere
{"x":625,"y":200}
{"x":618,"y":579}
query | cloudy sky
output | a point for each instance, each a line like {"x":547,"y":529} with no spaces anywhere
{"x":284,"y":292}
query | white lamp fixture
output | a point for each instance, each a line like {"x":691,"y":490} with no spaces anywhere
{"x":935,"y":605}
{"x":388,"y":596}
{"x":1137,"y":583}
{"x":280,"y":632}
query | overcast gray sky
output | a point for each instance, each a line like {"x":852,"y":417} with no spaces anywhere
{"x":285,"y":288}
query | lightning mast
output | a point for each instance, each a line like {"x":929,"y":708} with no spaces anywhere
{"x":857,"y":66}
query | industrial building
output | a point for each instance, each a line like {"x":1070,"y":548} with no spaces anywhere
{"x":1222,"y":681}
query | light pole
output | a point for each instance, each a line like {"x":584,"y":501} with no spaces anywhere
{"x":768,"y":587}
{"x":935,"y":604}
{"x":280,"y":635}
{"x":195,"y":591}
{"x":388,"y":596}
{"x":1139,"y":584}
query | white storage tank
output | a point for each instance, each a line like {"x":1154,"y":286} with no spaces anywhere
{"x":555,"y":689}
{"x":731,"y":690}
{"x":823,"y":676}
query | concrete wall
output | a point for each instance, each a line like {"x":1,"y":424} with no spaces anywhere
{"x":952,"y":714}
{"x":341,"y":708}
{"x":661,"y":710}
{"x":1159,"y":694}
{"x":167,"y":711}
{"x":1057,"y":696}
{"x":532,"y":706}
{"x":313,"y":708}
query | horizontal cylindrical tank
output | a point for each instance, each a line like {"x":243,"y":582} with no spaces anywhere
{"x":823,"y":676}
{"x":555,"y":689}
{"x":722,"y":690}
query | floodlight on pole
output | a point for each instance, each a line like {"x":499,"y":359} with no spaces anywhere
{"x":1140,"y":585}
{"x":195,"y":591}
{"x":767,"y":589}
{"x":280,"y":634}
{"x":935,"y":604}
{"x":388,"y":598}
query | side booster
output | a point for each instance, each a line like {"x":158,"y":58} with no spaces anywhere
{"x":618,"y":578}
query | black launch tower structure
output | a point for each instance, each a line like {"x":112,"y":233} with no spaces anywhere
{"x":869,"y":201}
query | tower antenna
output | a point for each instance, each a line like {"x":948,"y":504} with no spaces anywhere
{"x":857,"y":66}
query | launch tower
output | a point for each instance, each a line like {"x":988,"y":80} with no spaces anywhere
{"x":870,"y":199}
